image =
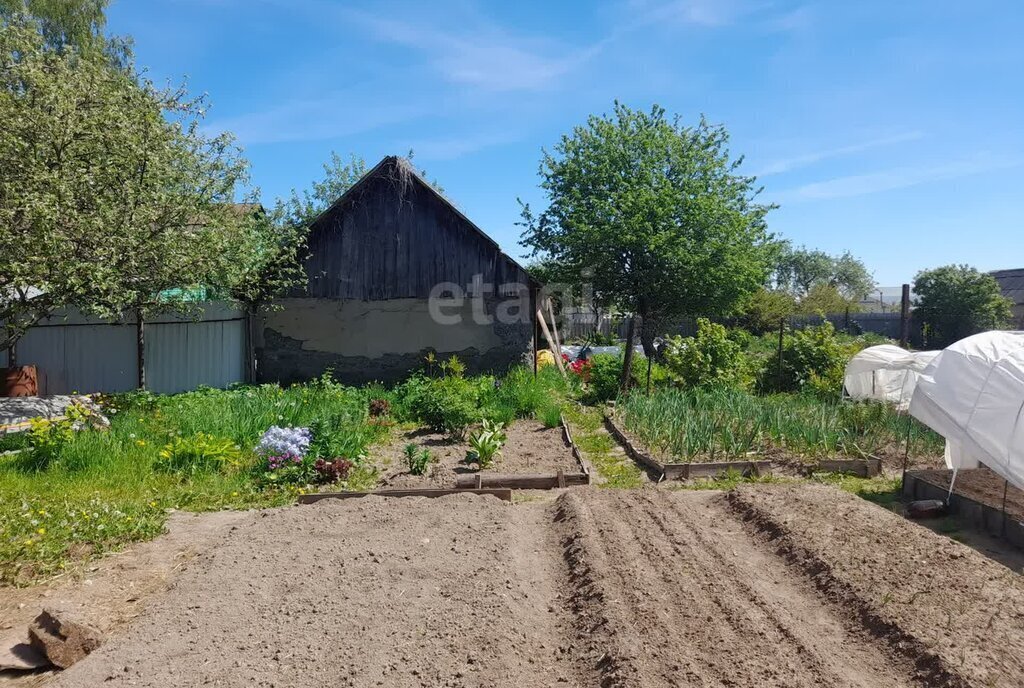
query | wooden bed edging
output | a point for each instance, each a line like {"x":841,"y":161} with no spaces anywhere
{"x":503,"y":494}
{"x":865,"y":468}
{"x":975,"y":514}
{"x":641,"y":457}
{"x":684,"y":471}
{"x":576,"y":453}
{"x":689,"y":471}
{"x":520,"y":481}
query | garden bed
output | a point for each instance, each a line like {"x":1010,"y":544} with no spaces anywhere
{"x":531,"y":449}
{"x":977,"y":498}
{"x":666,"y":470}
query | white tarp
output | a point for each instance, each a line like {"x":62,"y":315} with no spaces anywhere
{"x":885,"y":373}
{"x":973,"y":395}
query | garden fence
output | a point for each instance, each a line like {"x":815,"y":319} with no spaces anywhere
{"x":78,"y":353}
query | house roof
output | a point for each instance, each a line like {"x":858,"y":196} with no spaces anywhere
{"x":1011,"y":282}
{"x":401,"y":164}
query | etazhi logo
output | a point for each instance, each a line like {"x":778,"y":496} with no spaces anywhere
{"x":508,"y":303}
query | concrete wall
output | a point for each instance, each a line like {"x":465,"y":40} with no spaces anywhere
{"x":362,"y":341}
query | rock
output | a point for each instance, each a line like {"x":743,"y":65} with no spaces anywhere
{"x":61,"y":638}
{"x":17,"y":654}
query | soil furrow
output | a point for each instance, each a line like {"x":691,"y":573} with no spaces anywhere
{"x":715,"y":618}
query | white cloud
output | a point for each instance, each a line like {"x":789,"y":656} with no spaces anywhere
{"x":805,"y":159}
{"x":453,"y":147}
{"x":898,"y":178}
{"x":481,"y":55}
{"x":313,"y":119}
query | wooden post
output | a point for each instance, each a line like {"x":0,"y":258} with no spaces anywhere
{"x":905,"y":317}
{"x":536,"y":327}
{"x":554,"y":327}
{"x":140,"y":347}
{"x":627,"y":356}
{"x":250,"y":344}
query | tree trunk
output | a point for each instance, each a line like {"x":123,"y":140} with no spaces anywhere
{"x":627,"y":357}
{"x":12,"y":354}
{"x":140,"y":343}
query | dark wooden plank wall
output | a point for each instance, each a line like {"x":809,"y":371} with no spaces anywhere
{"x":389,"y":242}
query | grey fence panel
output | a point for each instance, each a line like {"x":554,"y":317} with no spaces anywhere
{"x":183,"y":356}
{"x":76,"y":353}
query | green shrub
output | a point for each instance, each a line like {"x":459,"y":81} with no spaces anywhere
{"x":448,"y":404}
{"x":606,"y":371}
{"x":418,"y":460}
{"x":813,"y":359}
{"x":47,"y":437}
{"x":342,"y":436}
{"x":199,"y":453}
{"x":486,"y":443}
{"x":708,"y":358}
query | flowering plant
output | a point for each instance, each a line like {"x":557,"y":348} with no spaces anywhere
{"x":278,"y":441}
{"x":581,"y":368}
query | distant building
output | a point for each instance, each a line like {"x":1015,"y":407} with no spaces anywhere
{"x":384,"y":259}
{"x":1012,"y":284}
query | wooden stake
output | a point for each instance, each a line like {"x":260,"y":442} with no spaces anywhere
{"x":551,"y":342}
{"x":554,"y":328}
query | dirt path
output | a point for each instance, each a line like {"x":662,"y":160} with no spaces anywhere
{"x":774,"y":585}
{"x":409,"y":592}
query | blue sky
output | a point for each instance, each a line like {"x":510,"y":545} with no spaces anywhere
{"x":894,"y":129}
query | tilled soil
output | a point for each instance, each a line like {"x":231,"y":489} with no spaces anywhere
{"x":531,"y":448}
{"x":981,"y":485}
{"x":773,"y":585}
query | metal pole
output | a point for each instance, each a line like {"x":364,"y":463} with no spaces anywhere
{"x":1006,"y":487}
{"x":905,"y":317}
{"x":906,"y":454}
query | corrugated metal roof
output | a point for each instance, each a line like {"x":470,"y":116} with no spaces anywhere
{"x":1012,"y":283}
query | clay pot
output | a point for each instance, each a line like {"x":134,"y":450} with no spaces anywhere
{"x":20,"y":381}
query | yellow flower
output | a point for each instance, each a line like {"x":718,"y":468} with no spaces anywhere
{"x":28,"y":543}
{"x":152,"y":504}
{"x":41,"y":531}
{"x":234,"y":494}
{"x":141,"y":443}
{"x":42,"y":512}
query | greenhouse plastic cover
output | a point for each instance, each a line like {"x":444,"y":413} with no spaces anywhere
{"x":973,"y":395}
{"x":885,"y":373}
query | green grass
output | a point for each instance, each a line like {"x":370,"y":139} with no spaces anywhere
{"x":104,"y":491}
{"x":728,"y":480}
{"x":882,"y":490}
{"x":720,"y":424}
{"x":617,"y":470}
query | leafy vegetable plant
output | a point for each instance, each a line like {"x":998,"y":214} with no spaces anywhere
{"x":486,"y":443}
{"x":418,"y":460}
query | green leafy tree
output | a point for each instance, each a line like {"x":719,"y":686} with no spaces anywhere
{"x":956,"y":301}
{"x":62,"y":23}
{"x":109,"y":193}
{"x":799,"y":271}
{"x":655,"y":213}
